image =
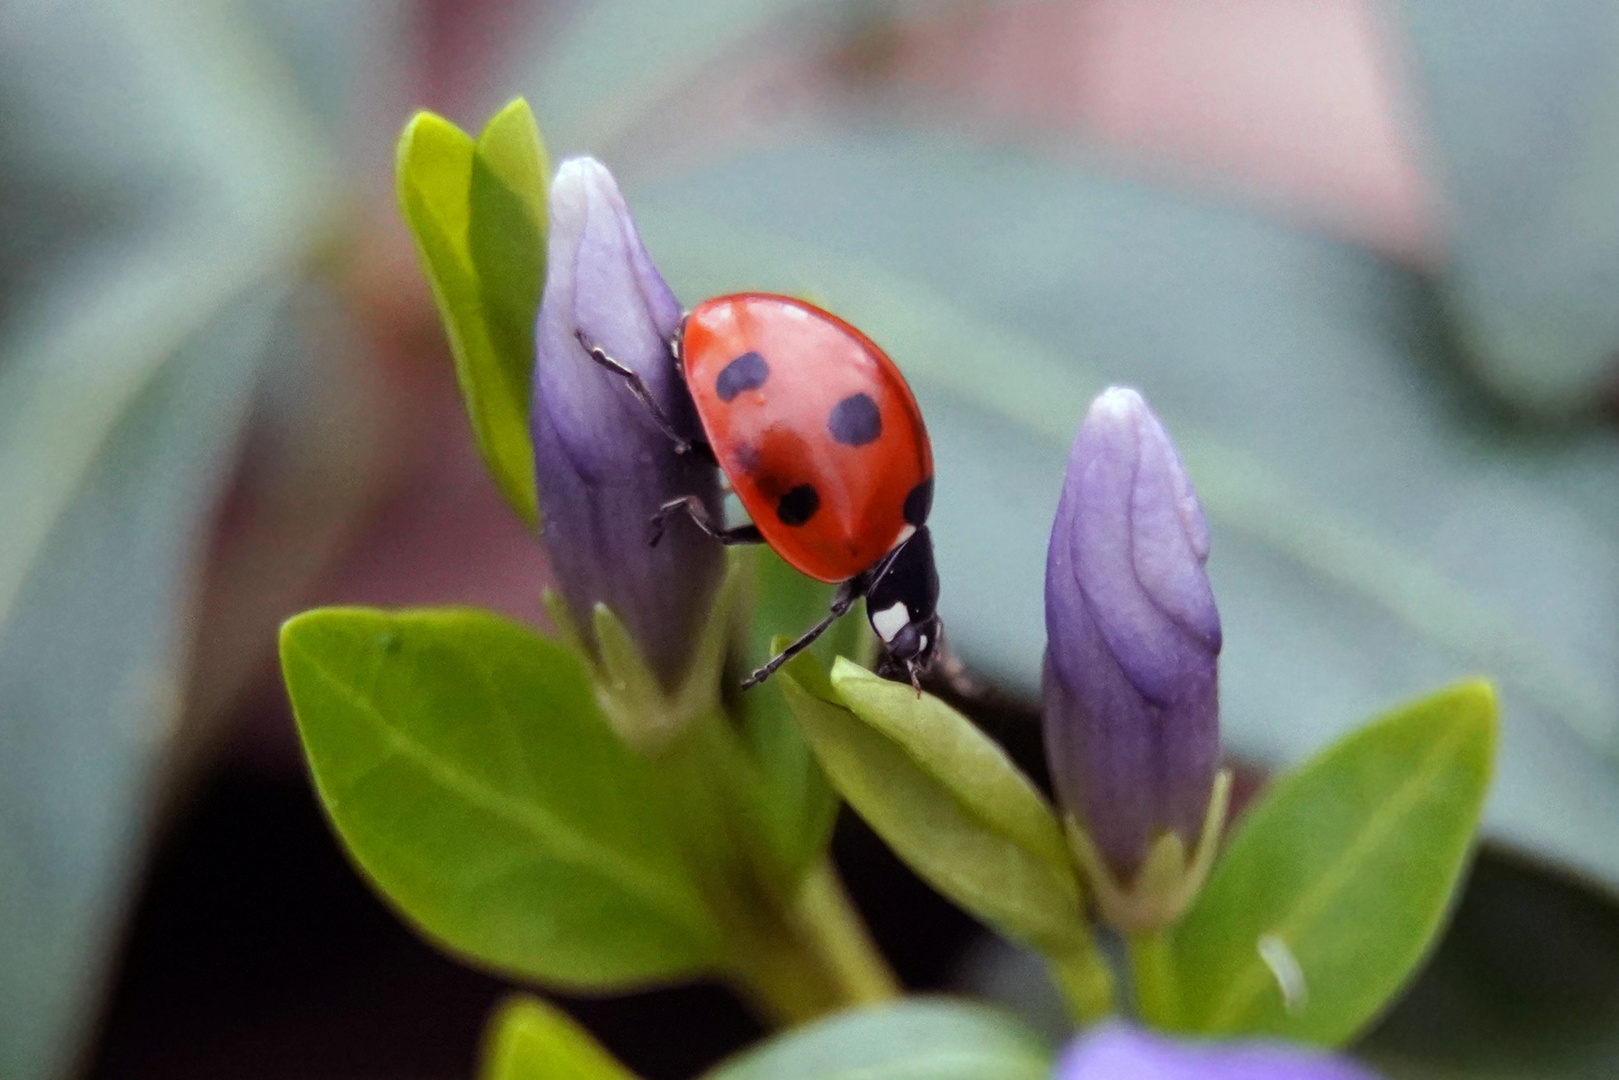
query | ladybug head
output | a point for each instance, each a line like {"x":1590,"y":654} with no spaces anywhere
{"x":901,"y":605}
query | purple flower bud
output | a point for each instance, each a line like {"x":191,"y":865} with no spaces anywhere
{"x":1117,"y":1052}
{"x":1130,"y":696}
{"x":602,"y":464}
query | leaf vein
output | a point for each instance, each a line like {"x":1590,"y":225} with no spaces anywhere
{"x":553,"y":835}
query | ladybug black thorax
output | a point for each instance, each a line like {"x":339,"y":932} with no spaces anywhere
{"x":902,"y":605}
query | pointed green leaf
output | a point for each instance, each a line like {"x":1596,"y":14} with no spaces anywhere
{"x":1339,"y":878}
{"x":912,"y":789}
{"x":506,"y":232}
{"x":531,"y":1040}
{"x":632,"y":698}
{"x":471,"y":775}
{"x":648,"y":716}
{"x":511,"y":150}
{"x":918,"y":1039}
{"x":950,"y":749}
{"x":438,"y":168}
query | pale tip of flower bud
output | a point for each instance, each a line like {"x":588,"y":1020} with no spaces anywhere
{"x":1118,"y":403}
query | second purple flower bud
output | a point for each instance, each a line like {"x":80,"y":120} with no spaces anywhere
{"x":1131,"y":709}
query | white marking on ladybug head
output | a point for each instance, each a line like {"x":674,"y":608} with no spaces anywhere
{"x":890,"y":621}
{"x":905,"y":533}
{"x":922,"y":644}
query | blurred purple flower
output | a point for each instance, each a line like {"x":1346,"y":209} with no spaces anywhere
{"x":1118,"y":1052}
{"x":603,"y":466}
{"x":1130,"y":696}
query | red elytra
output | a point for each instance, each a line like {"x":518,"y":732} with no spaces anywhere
{"x":814,"y":427}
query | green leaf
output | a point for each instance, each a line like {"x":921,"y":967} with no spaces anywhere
{"x":919,"y":1039}
{"x":469,"y":771}
{"x":531,"y":1040}
{"x":797,"y":805}
{"x":945,"y":798}
{"x":954,"y":753}
{"x":506,"y":231}
{"x":1338,"y":879}
{"x":482,"y":282}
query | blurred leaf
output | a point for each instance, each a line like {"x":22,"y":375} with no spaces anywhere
{"x":1524,"y":984}
{"x":919,"y":1039}
{"x":1375,"y":532}
{"x":1522,"y":104}
{"x":531,"y":1040}
{"x":469,"y":771}
{"x":614,"y":60}
{"x":946,"y":799}
{"x":798,"y":807}
{"x":443,"y":178}
{"x":162,"y":188}
{"x":1338,"y":878}
{"x":111,"y":589}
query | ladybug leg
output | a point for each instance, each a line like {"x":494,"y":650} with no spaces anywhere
{"x":694,"y":508}
{"x":847,"y":594}
{"x":638,"y":387}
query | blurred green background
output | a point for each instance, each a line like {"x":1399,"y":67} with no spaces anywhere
{"x":1362,"y":255}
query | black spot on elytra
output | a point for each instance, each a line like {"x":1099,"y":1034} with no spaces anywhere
{"x":747,"y":372}
{"x":855,"y":421}
{"x":798,"y":505}
{"x":919,"y":502}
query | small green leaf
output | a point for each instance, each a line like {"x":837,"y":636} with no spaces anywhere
{"x":797,"y":804}
{"x":955,"y":753}
{"x":645,"y":714}
{"x":531,"y":1040}
{"x":919,"y":1039}
{"x":945,"y":798}
{"x":506,"y":232}
{"x":472,"y":776}
{"x":439,"y":170}
{"x":632,"y":698}
{"x":1338,"y":880}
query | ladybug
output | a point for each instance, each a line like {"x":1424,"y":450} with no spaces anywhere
{"x":822,"y":441}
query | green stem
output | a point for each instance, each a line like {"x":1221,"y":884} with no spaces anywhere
{"x":841,"y":937}
{"x":1086,"y":983}
{"x":814,"y":958}
{"x":796,"y":954}
{"x":1154,"y":973}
